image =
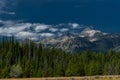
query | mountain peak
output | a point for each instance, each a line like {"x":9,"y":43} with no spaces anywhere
{"x":90,"y":32}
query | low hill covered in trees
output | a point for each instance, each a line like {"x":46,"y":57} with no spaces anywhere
{"x":27,"y":59}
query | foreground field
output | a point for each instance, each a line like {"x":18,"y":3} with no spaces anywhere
{"x":73,"y":78}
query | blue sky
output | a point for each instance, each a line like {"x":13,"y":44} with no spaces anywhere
{"x":102,"y":14}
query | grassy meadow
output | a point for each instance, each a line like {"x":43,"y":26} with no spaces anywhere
{"x":71,"y":78}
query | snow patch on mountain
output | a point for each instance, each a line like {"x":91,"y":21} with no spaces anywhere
{"x":93,"y":39}
{"x":88,"y":32}
{"x":92,"y":34}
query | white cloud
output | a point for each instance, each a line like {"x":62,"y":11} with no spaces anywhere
{"x":11,"y":28}
{"x":47,"y":34}
{"x":64,"y":29}
{"x":7,"y":23}
{"x":74,"y":25}
{"x":25,"y":34}
{"x":53,"y":29}
{"x":41,"y":27}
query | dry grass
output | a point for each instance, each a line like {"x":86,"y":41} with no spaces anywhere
{"x":73,"y":78}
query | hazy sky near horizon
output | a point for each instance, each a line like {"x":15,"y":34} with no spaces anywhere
{"x":102,"y":14}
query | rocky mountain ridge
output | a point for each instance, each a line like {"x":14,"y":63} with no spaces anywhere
{"x":88,"y":39}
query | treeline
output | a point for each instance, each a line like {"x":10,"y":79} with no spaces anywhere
{"x":28,"y":59}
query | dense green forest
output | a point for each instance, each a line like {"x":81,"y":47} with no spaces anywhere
{"x":28,"y":59}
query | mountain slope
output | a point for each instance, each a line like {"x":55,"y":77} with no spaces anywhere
{"x":88,"y":39}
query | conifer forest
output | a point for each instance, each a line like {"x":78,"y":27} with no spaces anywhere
{"x":27,"y":59}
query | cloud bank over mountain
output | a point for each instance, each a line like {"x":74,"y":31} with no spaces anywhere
{"x":35,"y":31}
